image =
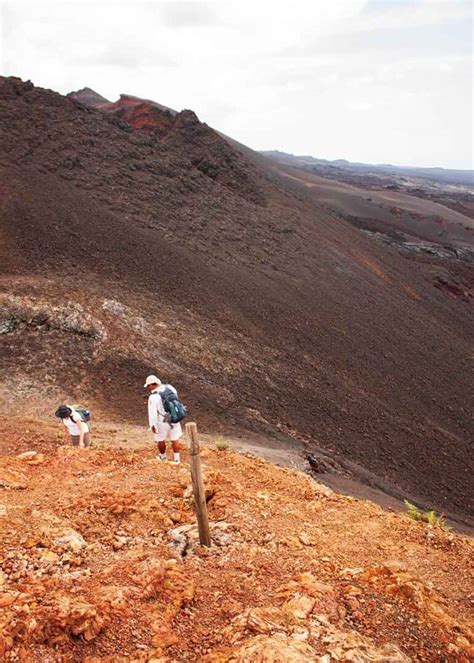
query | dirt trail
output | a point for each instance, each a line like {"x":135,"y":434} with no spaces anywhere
{"x":99,"y":562}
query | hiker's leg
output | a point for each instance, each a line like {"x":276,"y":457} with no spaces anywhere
{"x":87,"y":440}
{"x":75,"y":440}
{"x":175,"y":435}
{"x":162,"y":446}
{"x":160,"y":439}
{"x":176,"y":447}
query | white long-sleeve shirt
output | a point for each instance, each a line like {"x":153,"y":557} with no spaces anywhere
{"x":156,"y":411}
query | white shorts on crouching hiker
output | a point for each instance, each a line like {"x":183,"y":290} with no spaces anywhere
{"x":167,"y":432}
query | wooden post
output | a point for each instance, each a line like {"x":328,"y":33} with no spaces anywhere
{"x":198,"y":485}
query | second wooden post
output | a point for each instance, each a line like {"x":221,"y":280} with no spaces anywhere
{"x":198,"y":485}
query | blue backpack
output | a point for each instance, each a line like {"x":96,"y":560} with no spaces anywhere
{"x":174,"y":408}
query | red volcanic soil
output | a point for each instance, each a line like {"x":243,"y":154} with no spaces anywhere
{"x":130,"y":251}
{"x":99,"y":562}
{"x":138,"y":113}
{"x":142,"y":115}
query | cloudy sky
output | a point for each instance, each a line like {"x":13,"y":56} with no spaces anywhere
{"x":366,"y":80}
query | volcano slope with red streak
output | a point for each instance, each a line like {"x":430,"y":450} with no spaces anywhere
{"x":126,"y":252}
{"x":199,"y":143}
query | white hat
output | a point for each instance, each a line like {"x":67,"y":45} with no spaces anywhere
{"x":152,"y":379}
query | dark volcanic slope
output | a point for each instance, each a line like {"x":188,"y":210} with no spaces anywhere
{"x":186,"y":257}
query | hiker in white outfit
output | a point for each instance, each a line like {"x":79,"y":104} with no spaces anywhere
{"x":77,"y":428}
{"x":162,"y":430}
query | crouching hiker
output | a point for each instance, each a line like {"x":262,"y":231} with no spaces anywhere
{"x":75,"y":421}
{"x":165,"y":411}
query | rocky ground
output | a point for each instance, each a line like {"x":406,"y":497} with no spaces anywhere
{"x":99,"y":562}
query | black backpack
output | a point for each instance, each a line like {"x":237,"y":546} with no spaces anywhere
{"x":174,"y":408}
{"x":83,"y":412}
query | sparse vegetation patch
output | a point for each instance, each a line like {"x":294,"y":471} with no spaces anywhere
{"x":430,"y":517}
{"x":222,"y":444}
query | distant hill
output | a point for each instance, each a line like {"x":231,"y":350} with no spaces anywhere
{"x":448,"y":176}
{"x":410,"y":211}
{"x":89,"y":97}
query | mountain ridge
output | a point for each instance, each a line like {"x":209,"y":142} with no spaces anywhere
{"x":454,"y":175}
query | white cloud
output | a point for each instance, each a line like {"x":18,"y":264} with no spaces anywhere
{"x":358,"y":106}
{"x":391,"y":15}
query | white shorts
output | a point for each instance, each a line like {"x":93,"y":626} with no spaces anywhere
{"x":167,"y":432}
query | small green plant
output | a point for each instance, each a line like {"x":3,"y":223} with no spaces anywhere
{"x":222,"y":444}
{"x":429,"y":517}
{"x":412,"y":510}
